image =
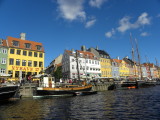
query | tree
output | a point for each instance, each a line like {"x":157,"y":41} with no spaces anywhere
{"x":58,"y":73}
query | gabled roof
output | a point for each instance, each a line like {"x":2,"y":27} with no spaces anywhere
{"x":102,"y":52}
{"x":116,"y":60}
{"x":4,"y":43}
{"x":128,"y":61}
{"x":22,"y":42}
{"x":148,"y":64}
{"x":85,"y":54}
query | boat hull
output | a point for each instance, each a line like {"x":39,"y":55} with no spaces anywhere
{"x":61,"y":91}
{"x":7,"y":92}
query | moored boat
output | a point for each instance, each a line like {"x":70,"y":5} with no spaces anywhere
{"x":7,"y":91}
{"x":48,"y":87}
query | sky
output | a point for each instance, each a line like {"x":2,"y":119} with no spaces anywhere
{"x":68,"y":24}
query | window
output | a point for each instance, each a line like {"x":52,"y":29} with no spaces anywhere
{"x":40,"y":55}
{"x":23,"y":62}
{"x":40,"y":64}
{"x":86,"y":61}
{"x":16,"y":43}
{"x":17,"y":61}
{"x":72,"y":60}
{"x":30,"y":54}
{"x":87,"y":68}
{"x":18,"y":52}
{"x":3,"y":61}
{"x":2,"y":70}
{"x":4,"y":51}
{"x":27,"y":45}
{"x":11,"y":51}
{"x":11,"y":61}
{"x":35,"y":54}
{"x":72,"y":66}
{"x":29,"y":63}
{"x":39,"y":47}
{"x":24,"y":53}
{"x":35,"y":63}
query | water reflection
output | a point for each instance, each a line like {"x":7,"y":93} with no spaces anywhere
{"x":120,"y":104}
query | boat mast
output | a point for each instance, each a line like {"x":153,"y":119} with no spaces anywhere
{"x":148,"y":63}
{"x":77,"y":65}
{"x":133,"y":59}
{"x":157,"y":64}
{"x":139,"y":62}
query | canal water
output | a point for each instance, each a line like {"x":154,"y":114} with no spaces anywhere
{"x":141,"y":104}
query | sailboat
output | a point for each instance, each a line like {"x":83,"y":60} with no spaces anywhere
{"x":48,"y":86}
{"x":141,"y":82}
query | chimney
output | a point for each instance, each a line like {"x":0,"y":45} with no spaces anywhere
{"x":83,"y":48}
{"x":118,"y":57}
{"x":96,"y":47}
{"x":23,"y":36}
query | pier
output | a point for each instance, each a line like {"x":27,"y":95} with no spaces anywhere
{"x":103,"y":86}
{"x":28,"y":89}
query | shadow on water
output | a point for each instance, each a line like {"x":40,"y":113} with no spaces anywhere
{"x":117,"y":104}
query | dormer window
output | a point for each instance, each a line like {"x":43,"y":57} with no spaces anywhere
{"x":39,"y":47}
{"x":81,"y":54}
{"x":28,"y":45}
{"x":16,"y":43}
{"x":1,"y":41}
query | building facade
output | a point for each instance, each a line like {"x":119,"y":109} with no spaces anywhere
{"x":3,"y":56}
{"x":24,"y":57}
{"x":105,"y":62}
{"x":53,"y":65}
{"x":115,"y":68}
{"x":88,"y":65}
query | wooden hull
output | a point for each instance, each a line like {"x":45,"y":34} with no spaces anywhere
{"x":62,"y":91}
{"x":7,"y":92}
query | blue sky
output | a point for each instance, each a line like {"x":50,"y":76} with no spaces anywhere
{"x":67,"y":24}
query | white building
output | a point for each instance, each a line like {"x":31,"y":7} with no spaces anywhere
{"x":88,"y":64}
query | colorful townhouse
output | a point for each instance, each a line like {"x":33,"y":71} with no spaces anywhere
{"x":131,"y":66}
{"x":115,"y":68}
{"x":123,"y":69}
{"x":88,"y":64}
{"x":105,"y":62}
{"x":3,"y":57}
{"x":25,"y":57}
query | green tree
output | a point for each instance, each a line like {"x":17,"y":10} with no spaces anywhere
{"x":58,"y":73}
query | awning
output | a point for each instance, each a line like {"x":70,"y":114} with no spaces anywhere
{"x":4,"y":75}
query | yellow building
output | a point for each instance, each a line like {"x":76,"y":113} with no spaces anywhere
{"x":106,"y":68}
{"x":24,"y":57}
{"x":123,"y":69}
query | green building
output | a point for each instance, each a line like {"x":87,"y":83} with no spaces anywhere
{"x":3,"y":56}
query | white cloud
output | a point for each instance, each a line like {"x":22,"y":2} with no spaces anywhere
{"x":158,"y":15}
{"x":96,"y":3}
{"x":110,"y":33}
{"x":90,"y":23}
{"x":144,"y":34}
{"x":71,"y":9}
{"x":125,"y":23}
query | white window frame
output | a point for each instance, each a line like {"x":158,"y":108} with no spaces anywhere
{"x":3,"y":61}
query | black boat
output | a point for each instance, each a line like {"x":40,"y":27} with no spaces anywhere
{"x":125,"y":84}
{"x":7,"y":91}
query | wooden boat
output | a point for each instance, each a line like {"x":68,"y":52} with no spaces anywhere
{"x":7,"y":91}
{"x":50,"y":88}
